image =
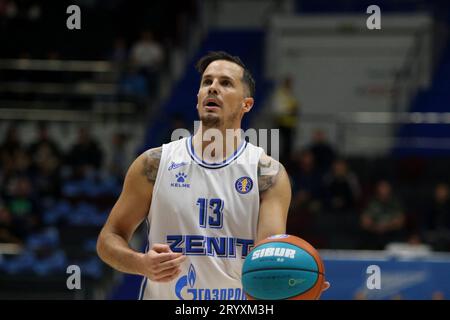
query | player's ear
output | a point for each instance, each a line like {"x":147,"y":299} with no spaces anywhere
{"x":248,"y":104}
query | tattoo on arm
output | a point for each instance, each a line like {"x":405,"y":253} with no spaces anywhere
{"x":268,"y":171}
{"x":151,"y":164}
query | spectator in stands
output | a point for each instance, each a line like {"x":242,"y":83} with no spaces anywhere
{"x":46,"y":178}
{"x":337,"y":222}
{"x":10,"y":148}
{"x":342,"y":188}
{"x":148,"y":55}
{"x":44,"y":149}
{"x":383,"y":220}
{"x":118,"y":56}
{"x":307,"y":183}
{"x":7,"y":233}
{"x":85,"y":155}
{"x":119,"y":162}
{"x":119,"y":52}
{"x":46,"y":164}
{"x":133,"y":83}
{"x":14,"y":160}
{"x":437,"y":219}
{"x":23,"y":207}
{"x":286,"y":109}
{"x":322,"y":150}
{"x":303,"y":181}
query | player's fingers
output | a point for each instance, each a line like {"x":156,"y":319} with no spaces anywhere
{"x":165,"y":256}
{"x":166,"y":273}
{"x":325,"y":286}
{"x":171,"y":263}
{"x":159,"y":247}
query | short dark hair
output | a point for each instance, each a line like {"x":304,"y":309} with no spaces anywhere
{"x":211,"y":56}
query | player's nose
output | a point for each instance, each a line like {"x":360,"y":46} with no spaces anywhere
{"x":213,"y":88}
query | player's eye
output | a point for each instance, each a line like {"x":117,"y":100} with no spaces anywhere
{"x":207,"y":82}
{"x":226,"y":83}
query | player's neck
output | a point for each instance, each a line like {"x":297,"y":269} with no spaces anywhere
{"x":216,"y":144}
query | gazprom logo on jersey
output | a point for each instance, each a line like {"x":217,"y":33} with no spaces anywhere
{"x":184,"y":289}
{"x":180,"y":181}
{"x":244,"y":185}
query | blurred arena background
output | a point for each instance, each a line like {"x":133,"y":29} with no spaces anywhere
{"x":364,"y":116}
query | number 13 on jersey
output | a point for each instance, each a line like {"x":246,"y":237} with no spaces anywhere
{"x":210,"y":213}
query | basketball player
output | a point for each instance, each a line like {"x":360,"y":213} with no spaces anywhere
{"x":204,"y":210}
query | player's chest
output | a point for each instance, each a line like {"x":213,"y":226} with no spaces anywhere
{"x":210,"y":193}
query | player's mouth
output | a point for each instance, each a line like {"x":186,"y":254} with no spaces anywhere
{"x":212,"y":104}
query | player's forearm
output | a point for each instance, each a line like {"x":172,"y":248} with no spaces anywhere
{"x":115,"y":251}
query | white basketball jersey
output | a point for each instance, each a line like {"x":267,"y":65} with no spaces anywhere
{"x":209,"y":212}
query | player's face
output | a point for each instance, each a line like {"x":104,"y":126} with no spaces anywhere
{"x":222,"y":97}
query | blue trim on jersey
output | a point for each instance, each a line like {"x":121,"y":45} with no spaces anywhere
{"x":144,"y":278}
{"x":235,"y":155}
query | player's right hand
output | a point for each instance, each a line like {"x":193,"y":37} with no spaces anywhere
{"x":161,"y":264}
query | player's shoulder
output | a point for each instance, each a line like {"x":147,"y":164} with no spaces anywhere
{"x":149,"y":155}
{"x":147,"y":162}
{"x":269,"y":170}
{"x":155,"y":153}
{"x":151,"y":158}
{"x":268,"y":165}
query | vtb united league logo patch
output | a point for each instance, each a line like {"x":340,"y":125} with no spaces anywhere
{"x":243,"y":185}
{"x":181,"y":181}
